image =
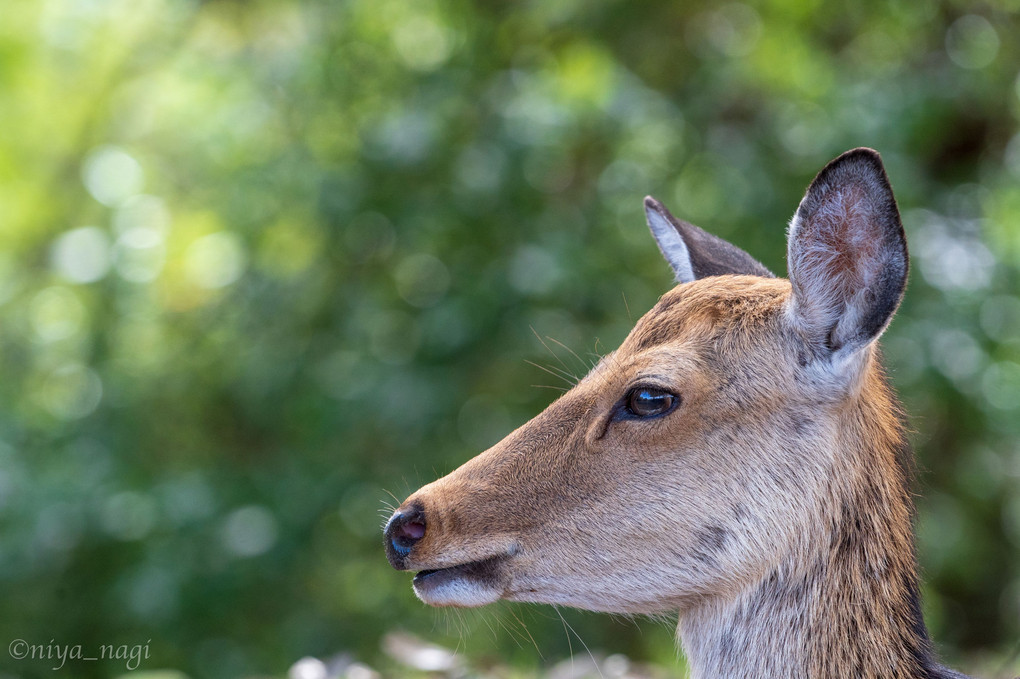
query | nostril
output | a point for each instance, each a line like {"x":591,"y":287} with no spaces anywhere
{"x":412,"y":530}
{"x":405,"y":530}
{"x":405,"y":535}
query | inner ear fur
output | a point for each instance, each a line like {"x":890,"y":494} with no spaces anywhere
{"x":847,"y":255}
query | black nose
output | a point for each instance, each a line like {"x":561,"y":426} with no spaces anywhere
{"x":404,"y":530}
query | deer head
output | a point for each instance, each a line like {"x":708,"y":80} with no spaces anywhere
{"x":738,"y":459}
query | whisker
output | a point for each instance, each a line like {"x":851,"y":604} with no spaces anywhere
{"x":570,"y":644}
{"x":546,"y":386}
{"x":528,"y":632}
{"x":555,"y":355}
{"x":568,"y":378}
{"x":564,"y":373}
{"x":572,"y":352}
{"x":568,"y":626}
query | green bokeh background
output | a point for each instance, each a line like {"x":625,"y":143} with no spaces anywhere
{"x":268,"y":265}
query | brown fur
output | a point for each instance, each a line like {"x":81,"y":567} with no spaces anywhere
{"x":771,"y":508}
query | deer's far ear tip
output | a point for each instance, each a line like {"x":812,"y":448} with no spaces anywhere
{"x":652,"y":204}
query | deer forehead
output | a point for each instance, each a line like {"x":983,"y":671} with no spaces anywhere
{"x":723,"y":317}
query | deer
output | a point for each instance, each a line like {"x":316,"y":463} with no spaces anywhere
{"x":741,"y":460}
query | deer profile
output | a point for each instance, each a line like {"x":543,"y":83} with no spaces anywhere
{"x":740,"y":460}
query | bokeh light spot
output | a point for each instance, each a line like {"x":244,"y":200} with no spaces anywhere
{"x":142,"y":211}
{"x":308,"y":668}
{"x":249,"y":531}
{"x":414,"y":652}
{"x":1001,"y":385}
{"x":287,"y":249}
{"x":422,"y":280}
{"x":111,"y":175}
{"x":585,"y":74}
{"x":951,"y":257}
{"x":480,"y":168}
{"x":732,"y":30}
{"x":216,"y":260}
{"x":81,"y":255}
{"x":129,"y":515}
{"x":56,"y":314}
{"x":1000,"y":318}
{"x":423,"y":42}
{"x":972,"y":42}
{"x":956,"y":354}
{"x":72,"y":391}
{"x":140,"y":254}
{"x":534,"y":270}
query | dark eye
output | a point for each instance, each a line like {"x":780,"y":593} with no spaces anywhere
{"x":647,"y":402}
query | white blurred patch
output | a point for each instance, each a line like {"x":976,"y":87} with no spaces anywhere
{"x":140,"y":254}
{"x":950,"y":252}
{"x":308,"y":668}
{"x":420,"y":655}
{"x":81,"y":255}
{"x":71,"y":391}
{"x":972,"y":42}
{"x":534,"y":270}
{"x":249,"y":531}
{"x":111,"y":175}
{"x":956,"y":354}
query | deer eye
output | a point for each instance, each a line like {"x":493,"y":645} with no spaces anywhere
{"x":646,"y":402}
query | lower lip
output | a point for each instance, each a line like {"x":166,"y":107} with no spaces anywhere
{"x":421,"y":576}
{"x":475,"y":570}
{"x":467,"y":585}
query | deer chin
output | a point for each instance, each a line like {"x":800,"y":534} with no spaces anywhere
{"x":466,"y":585}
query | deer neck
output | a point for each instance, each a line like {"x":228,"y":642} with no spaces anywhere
{"x":845,"y":601}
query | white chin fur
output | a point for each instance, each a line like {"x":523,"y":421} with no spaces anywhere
{"x":456,"y":592}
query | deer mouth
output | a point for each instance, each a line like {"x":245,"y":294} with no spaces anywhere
{"x":470,"y":584}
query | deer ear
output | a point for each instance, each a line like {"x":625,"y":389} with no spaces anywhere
{"x":694,"y":253}
{"x":847,"y":255}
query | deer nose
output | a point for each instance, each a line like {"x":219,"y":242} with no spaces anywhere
{"x":403,"y":531}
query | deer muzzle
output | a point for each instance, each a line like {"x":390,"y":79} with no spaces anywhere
{"x":448,"y":574}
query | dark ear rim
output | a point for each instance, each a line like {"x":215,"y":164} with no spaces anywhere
{"x":885,"y":292}
{"x":695,"y":253}
{"x":859,"y":155}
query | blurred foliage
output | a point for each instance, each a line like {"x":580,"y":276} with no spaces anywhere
{"x":267,"y":264}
